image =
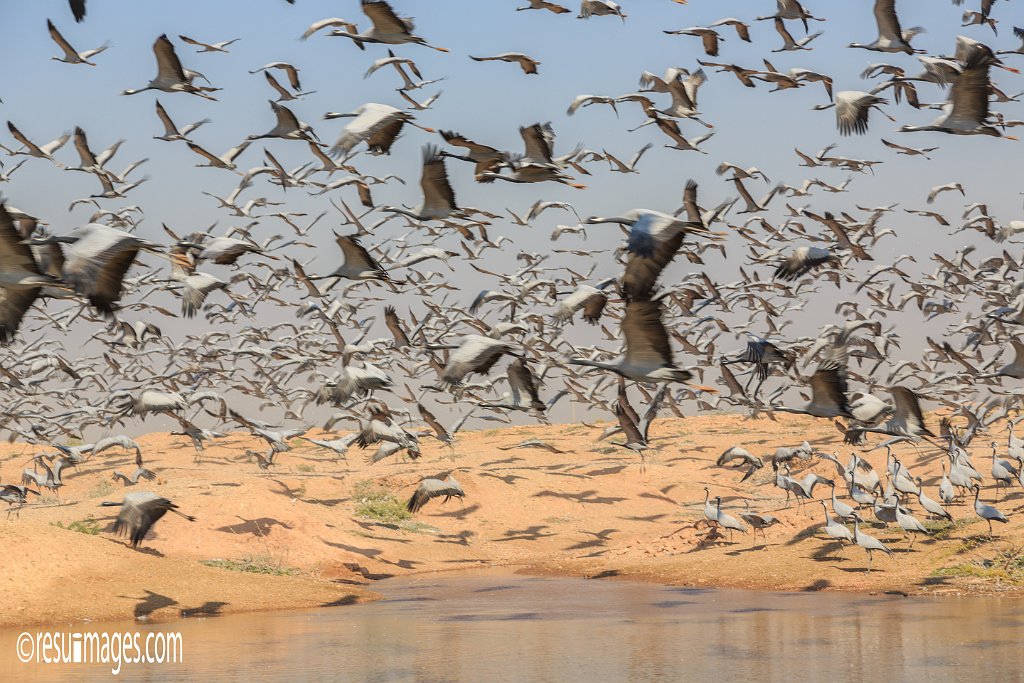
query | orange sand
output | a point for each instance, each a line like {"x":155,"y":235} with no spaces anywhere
{"x":588,"y":512}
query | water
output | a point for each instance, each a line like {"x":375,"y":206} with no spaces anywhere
{"x":496,"y":626}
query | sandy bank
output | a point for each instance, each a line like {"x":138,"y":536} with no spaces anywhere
{"x":588,"y":511}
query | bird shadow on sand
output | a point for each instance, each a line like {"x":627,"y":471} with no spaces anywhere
{"x":581,"y":497}
{"x":505,"y":461}
{"x":830,"y":553}
{"x":740,"y":551}
{"x":287,"y":490}
{"x":861,"y":570}
{"x":210,"y":608}
{"x":532,"y":533}
{"x":804,"y":534}
{"x":364,"y":572}
{"x":143,"y":550}
{"x":606,"y":471}
{"x":509,"y":479}
{"x":461,"y":538}
{"x":653,"y":496}
{"x":326,"y":502}
{"x":606,"y":574}
{"x":461,"y":513}
{"x":260,"y":526}
{"x":649,"y":518}
{"x":150,"y":603}
{"x":343,"y":601}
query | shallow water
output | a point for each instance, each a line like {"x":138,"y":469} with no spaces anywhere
{"x":496,"y":626}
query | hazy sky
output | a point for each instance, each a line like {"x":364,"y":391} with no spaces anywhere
{"x":488,"y":102}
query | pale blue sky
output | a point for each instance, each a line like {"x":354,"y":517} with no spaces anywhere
{"x":488,"y":102}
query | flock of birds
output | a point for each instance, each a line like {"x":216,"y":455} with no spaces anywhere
{"x":286,"y":338}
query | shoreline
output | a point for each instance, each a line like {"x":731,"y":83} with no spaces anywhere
{"x":298,"y":536}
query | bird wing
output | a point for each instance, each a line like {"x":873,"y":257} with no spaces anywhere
{"x":168,"y":65}
{"x":458,"y":140}
{"x":642,"y":271}
{"x":647,"y":344}
{"x":888,"y":22}
{"x":801,"y":262}
{"x":61,"y":43}
{"x":285,"y":116}
{"x":190,"y":41}
{"x":384,"y":135}
{"x":356,"y":255}
{"x":82,"y":145}
{"x":969,"y":93}
{"x":908,"y":411}
{"x":78,"y":9}
{"x":203,"y":153}
{"x":539,"y":140}
{"x":437,"y":190}
{"x":324,"y":23}
{"x":629,"y":427}
{"x":693,"y":213}
{"x":828,"y":388}
{"x":384,"y":18}
{"x":100,"y":278}
{"x":279,"y":88}
{"x":593,"y":306}
{"x":293,"y":75}
{"x":20,"y":137}
{"x":1018,"y":352}
{"x":521,"y":381}
{"x":14,"y":253}
{"x":394,"y":324}
{"x":428,"y":417}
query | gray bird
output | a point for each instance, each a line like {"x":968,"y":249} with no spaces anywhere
{"x":139,"y":512}
{"x":433,"y":488}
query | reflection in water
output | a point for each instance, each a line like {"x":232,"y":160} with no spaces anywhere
{"x":496,"y":627}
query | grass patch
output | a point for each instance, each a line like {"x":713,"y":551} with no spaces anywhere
{"x":83,"y":526}
{"x":102,"y":488}
{"x":605,"y":450}
{"x":943,"y":530}
{"x":253,"y":564}
{"x":305,"y":467}
{"x":573,"y":429}
{"x":1006,"y":565}
{"x":970,"y":570}
{"x":972,"y":543}
{"x":375,"y":502}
